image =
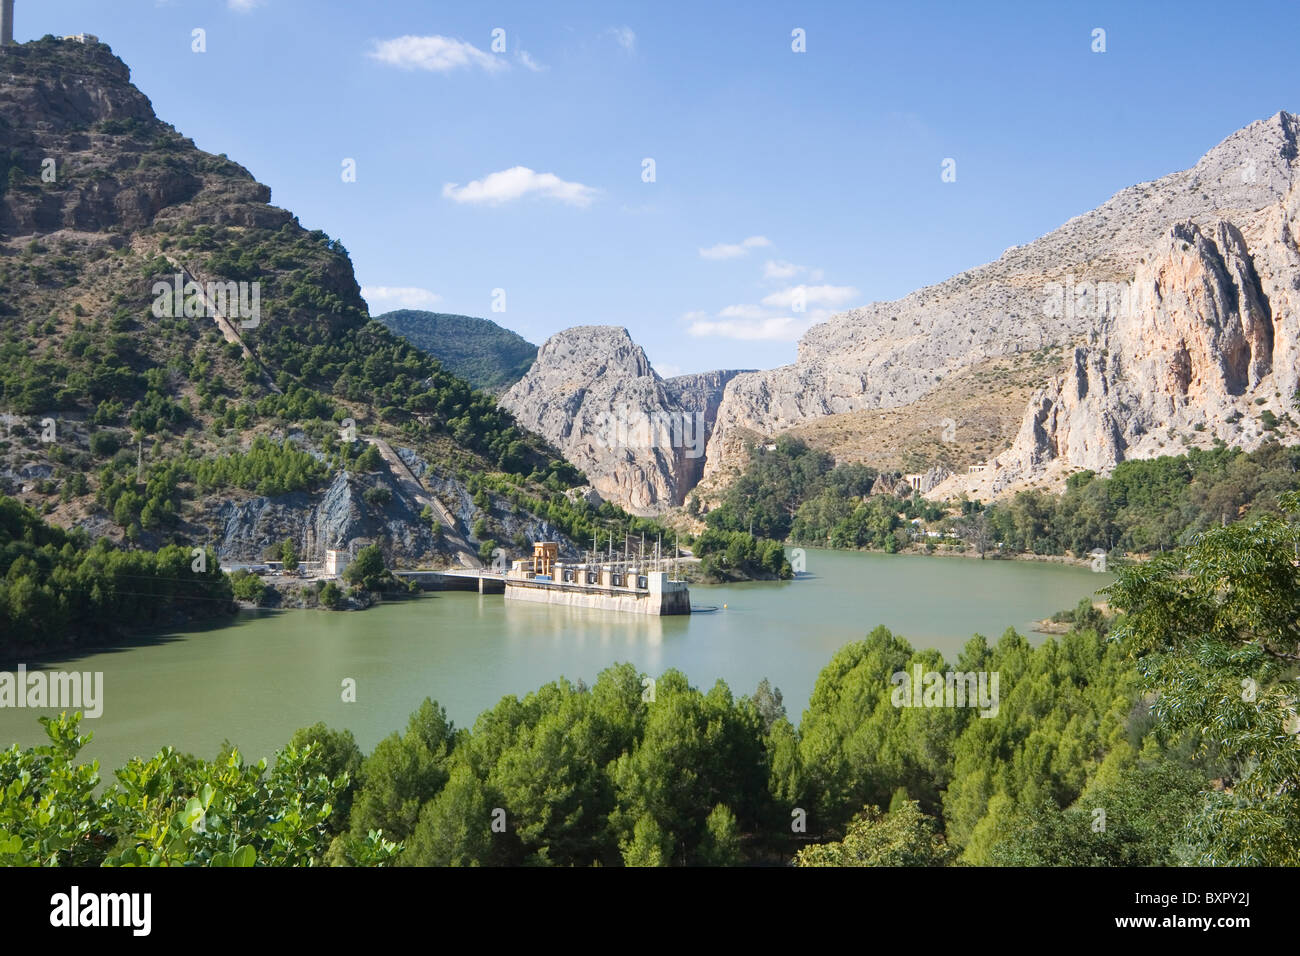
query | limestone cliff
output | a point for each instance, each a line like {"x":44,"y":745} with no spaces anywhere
{"x":1204,"y":349}
{"x":1236,"y":207}
{"x":641,"y":439}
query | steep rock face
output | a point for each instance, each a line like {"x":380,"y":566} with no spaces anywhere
{"x":640,"y":439}
{"x":890,"y":354}
{"x":96,"y":127}
{"x":337,"y":516}
{"x":1199,"y":349}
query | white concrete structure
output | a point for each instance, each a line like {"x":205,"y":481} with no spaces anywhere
{"x":604,"y":587}
{"x":336,"y":562}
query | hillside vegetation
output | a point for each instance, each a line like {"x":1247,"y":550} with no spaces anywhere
{"x":185,"y":428}
{"x":477,"y":350}
{"x":797,"y":493}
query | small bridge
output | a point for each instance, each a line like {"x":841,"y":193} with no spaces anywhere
{"x":478,"y":579}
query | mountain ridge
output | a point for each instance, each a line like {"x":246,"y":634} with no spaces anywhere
{"x":859,"y":360}
{"x":1046,"y":297}
{"x":640,"y":438}
{"x":194,"y":427}
{"x":485,"y":354}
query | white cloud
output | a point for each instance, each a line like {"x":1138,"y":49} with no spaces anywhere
{"x":828,"y":295}
{"x":781,"y":328}
{"x":725,"y":250}
{"x":517,"y":182}
{"x":744,"y":312}
{"x":625,"y":36}
{"x":776,"y":269}
{"x":243,"y":6}
{"x":437,"y":54}
{"x":383,"y":298}
{"x":752,"y":323}
{"x":527,"y":60}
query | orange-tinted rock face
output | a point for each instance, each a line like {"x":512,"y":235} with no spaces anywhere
{"x":1199,"y":341}
{"x":1213,"y":319}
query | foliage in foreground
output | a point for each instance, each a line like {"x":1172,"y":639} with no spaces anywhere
{"x":624,"y":772}
{"x":169,"y":810}
{"x":1215,"y":628}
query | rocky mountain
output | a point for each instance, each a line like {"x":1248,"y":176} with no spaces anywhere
{"x":1204,"y":350}
{"x":1219,"y":237}
{"x":640,"y":438}
{"x":478,"y":350}
{"x":1173,"y":305}
{"x":183,"y":362}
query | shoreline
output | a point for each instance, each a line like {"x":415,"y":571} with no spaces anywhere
{"x":1063,"y":559}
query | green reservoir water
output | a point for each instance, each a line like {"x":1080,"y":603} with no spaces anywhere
{"x":260,"y":678}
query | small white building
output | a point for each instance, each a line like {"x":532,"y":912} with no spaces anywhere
{"x":336,"y":562}
{"x":81,"y":38}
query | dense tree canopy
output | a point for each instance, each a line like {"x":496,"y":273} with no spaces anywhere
{"x":56,"y":586}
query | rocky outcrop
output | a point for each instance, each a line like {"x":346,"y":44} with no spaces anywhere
{"x":640,"y":439}
{"x":1199,"y":351}
{"x":904,"y":486}
{"x":884,"y":485}
{"x":1051,"y":292}
{"x":336,"y":517}
{"x":84,"y":125}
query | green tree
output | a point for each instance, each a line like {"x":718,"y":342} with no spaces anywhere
{"x":721,"y":846}
{"x":403,"y":773}
{"x":1215,"y":630}
{"x":248,"y":587}
{"x":648,"y":845}
{"x":455,"y":828}
{"x":330,"y":595}
{"x":903,"y":837}
{"x":335,"y":753}
{"x":367,"y":570}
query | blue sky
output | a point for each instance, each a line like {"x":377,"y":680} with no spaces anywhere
{"x":522,"y":170}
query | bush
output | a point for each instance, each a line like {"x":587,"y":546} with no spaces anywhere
{"x":379,"y":496}
{"x":248,"y":587}
{"x":330,"y":595}
{"x":367,"y":571}
{"x":104,"y":444}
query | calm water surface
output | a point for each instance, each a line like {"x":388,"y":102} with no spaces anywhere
{"x":256,"y":681}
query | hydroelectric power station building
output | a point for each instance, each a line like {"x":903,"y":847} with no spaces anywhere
{"x":608,"y":586}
